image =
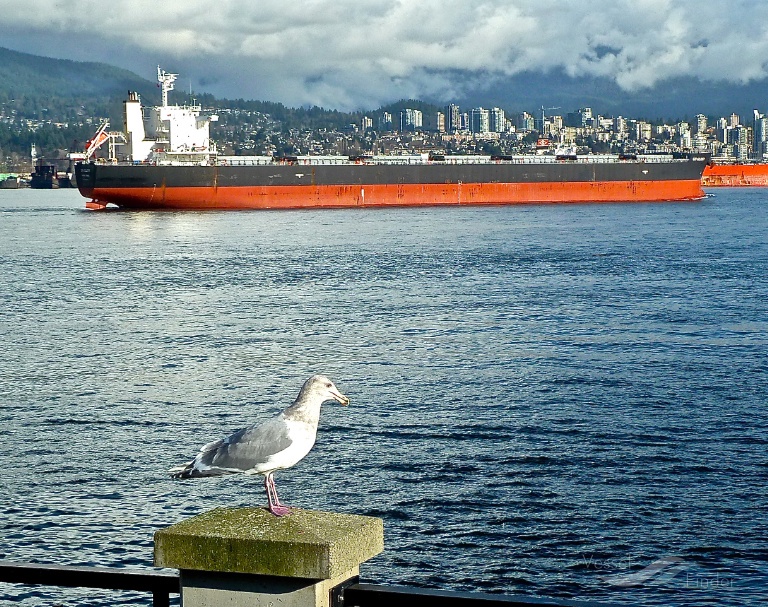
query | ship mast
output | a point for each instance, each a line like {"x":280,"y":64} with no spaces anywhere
{"x":166,"y":81}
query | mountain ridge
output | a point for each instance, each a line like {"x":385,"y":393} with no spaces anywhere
{"x":24,"y":73}
{"x":671,"y":100}
{"x":38,"y":77}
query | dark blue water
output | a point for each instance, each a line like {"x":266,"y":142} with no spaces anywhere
{"x":546,"y":400}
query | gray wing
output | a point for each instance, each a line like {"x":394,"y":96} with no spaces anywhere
{"x":239,"y":452}
{"x":248,"y":447}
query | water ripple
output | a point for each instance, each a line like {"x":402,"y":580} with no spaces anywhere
{"x":542,"y":398}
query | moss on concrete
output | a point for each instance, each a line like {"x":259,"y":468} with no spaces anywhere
{"x":306,"y":544}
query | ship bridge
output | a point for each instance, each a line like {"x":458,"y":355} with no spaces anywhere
{"x":168,"y":133}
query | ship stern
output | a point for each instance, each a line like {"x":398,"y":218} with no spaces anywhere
{"x":85,"y":174}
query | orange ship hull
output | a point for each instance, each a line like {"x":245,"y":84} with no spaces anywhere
{"x":385,"y":195}
{"x":735,"y":175}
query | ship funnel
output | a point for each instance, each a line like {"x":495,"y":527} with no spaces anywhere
{"x":133,"y":125}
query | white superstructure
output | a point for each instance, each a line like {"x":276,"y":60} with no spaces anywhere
{"x":167,"y":134}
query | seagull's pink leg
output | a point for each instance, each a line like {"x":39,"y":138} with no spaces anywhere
{"x":275,"y":507}
{"x":269,"y":492}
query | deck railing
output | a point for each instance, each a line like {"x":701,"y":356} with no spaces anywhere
{"x":425,"y":159}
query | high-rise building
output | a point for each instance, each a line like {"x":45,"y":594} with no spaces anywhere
{"x":497,"y":121}
{"x":410,"y":120}
{"x":701,"y":123}
{"x":452,"y":118}
{"x":582,"y":118}
{"x":385,"y":121}
{"x":760,"y":134}
{"x":734,"y":120}
{"x":479,"y":120}
{"x":525,"y":122}
{"x":642,"y":131}
{"x":366,"y":123}
{"x":722,"y":130}
{"x":552,"y":126}
{"x":739,"y":137}
{"x":440,"y":122}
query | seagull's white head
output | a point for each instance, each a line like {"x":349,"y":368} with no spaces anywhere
{"x":320,"y":387}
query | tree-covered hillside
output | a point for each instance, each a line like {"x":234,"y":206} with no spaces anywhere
{"x":42,"y":87}
{"x":55,"y":103}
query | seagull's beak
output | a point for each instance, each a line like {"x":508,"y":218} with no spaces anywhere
{"x":340,"y":397}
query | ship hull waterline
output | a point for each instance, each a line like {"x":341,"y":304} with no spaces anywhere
{"x":295,"y":187}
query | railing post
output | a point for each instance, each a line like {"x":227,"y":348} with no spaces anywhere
{"x":247,"y":556}
{"x":160,"y":599}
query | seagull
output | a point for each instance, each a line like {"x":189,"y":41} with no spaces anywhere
{"x":277,"y":444}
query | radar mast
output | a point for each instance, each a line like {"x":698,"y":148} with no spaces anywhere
{"x":166,"y":81}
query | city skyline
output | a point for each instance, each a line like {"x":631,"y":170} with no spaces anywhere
{"x":349,"y":55}
{"x":728,"y":137}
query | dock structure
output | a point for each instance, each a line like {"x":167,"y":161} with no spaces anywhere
{"x":247,"y":556}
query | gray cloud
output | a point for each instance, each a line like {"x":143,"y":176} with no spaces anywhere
{"x":351,"y":54}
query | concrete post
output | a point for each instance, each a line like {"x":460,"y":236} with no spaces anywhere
{"x":247,"y":556}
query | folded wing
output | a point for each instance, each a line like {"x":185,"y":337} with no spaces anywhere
{"x":249,"y":449}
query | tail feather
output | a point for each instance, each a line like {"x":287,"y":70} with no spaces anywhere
{"x":193,"y":469}
{"x":183,"y":471}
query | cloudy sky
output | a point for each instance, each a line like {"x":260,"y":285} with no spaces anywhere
{"x":352,"y":54}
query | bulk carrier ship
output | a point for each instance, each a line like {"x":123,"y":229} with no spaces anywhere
{"x":171,"y":163}
{"x":735,"y":175}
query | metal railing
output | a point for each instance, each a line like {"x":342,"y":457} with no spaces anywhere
{"x":371,"y":595}
{"x":162,"y":584}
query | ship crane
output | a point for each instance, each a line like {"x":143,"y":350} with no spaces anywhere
{"x":94,"y":143}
